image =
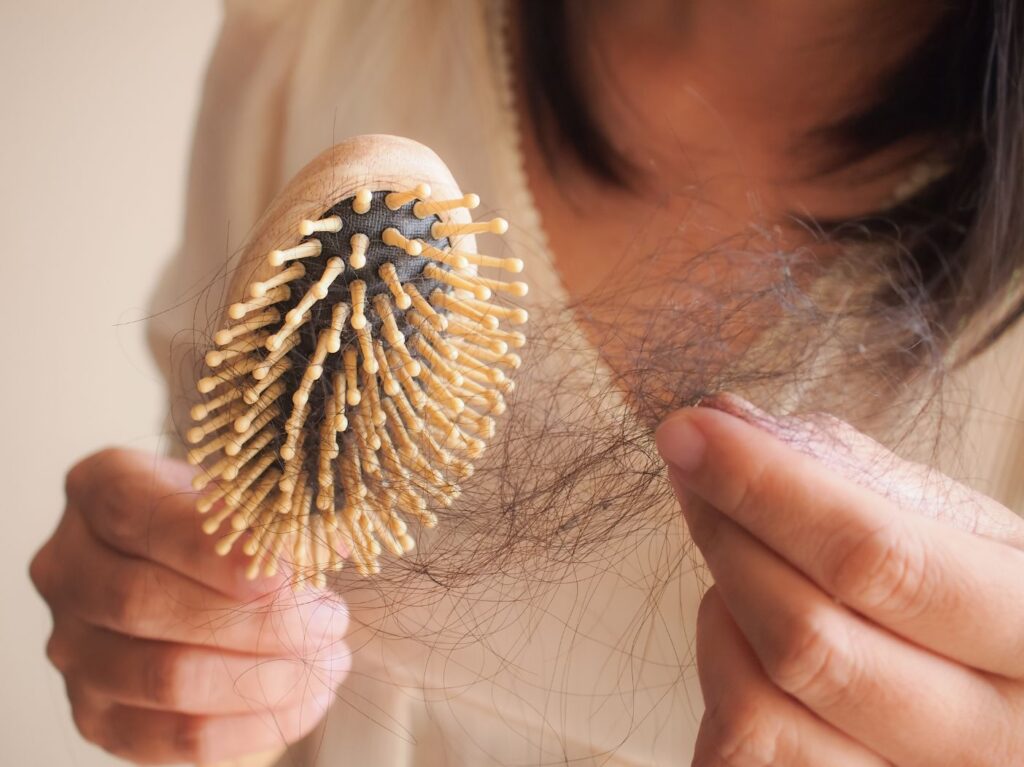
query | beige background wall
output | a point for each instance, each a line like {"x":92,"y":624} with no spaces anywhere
{"x":97,"y":104}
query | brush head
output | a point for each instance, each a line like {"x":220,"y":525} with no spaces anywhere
{"x":360,"y":367}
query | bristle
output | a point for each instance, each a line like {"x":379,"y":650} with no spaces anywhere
{"x":435,"y":272}
{"x":278,"y":369}
{"x":439,"y":321}
{"x":235,"y":442}
{"x":357,"y":292}
{"x":199,"y":412}
{"x":294,"y":272}
{"x":307,"y":249}
{"x":266,"y":399}
{"x":257,"y":321}
{"x":340,"y":401}
{"x":329,"y":224}
{"x":364,"y":339}
{"x":242,"y":308}
{"x":437,"y":363}
{"x":352,"y":396}
{"x":216,"y":357}
{"x":461,"y":306}
{"x":263,"y":368}
{"x":396,"y":239}
{"x":361,"y":202}
{"x":389,"y":275}
{"x":517,"y":289}
{"x":428,"y":331}
{"x":235,"y":370}
{"x":477,"y":335}
{"x":425,"y":208}
{"x":359,"y":244}
{"x":390,"y":384}
{"x":355,"y":386}
{"x":513,"y":314}
{"x":512,"y":338}
{"x":228,"y":467}
{"x":513,"y":265}
{"x":453,"y":258}
{"x":396,"y":200}
{"x":198,"y":433}
{"x":372,"y":396}
{"x":406,"y":369}
{"x":442,"y":230}
{"x":508,"y":359}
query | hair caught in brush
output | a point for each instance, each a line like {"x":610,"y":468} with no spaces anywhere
{"x":358,"y":378}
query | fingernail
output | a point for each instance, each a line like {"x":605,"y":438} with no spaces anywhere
{"x":680,"y":442}
{"x":733,"y":404}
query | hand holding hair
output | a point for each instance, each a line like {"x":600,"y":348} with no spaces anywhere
{"x":849,"y":624}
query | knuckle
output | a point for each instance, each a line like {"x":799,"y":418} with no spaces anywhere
{"x":57,"y":652}
{"x":88,"y":720}
{"x":117,"y":516}
{"x":743,"y":735}
{"x":102,"y":485}
{"x":190,"y":737}
{"x":76,"y":478}
{"x":79,"y":477}
{"x":813,"y":662}
{"x":124,"y":604}
{"x":39,"y":570}
{"x":710,"y":614}
{"x":709,"y":607}
{"x":886,"y":569}
{"x":166,"y":677}
{"x":89,"y":725}
{"x":176,"y":675}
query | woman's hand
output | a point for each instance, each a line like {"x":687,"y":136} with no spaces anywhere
{"x":865,"y":611}
{"x":169,"y":654}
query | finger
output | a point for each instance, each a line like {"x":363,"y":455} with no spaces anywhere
{"x":147,"y":600}
{"x":913,"y":487}
{"x":921,"y":578}
{"x":747,"y":719}
{"x":899,"y":700}
{"x":145,"y":736}
{"x":188,"y":678}
{"x":144,"y":506}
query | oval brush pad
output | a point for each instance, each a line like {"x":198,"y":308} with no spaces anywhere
{"x":358,"y":372}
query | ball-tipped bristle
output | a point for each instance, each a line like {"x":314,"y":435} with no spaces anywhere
{"x":356,"y":384}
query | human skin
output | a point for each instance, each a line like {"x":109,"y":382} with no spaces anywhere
{"x":128,"y":550}
{"x":847,"y":625}
{"x":168,"y":652}
{"x":844,"y":627}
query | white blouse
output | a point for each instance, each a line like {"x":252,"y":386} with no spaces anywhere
{"x":595,"y":669}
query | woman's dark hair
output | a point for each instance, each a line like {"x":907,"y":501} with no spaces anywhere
{"x":959,"y":241}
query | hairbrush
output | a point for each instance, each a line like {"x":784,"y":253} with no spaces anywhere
{"x":360,"y":366}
